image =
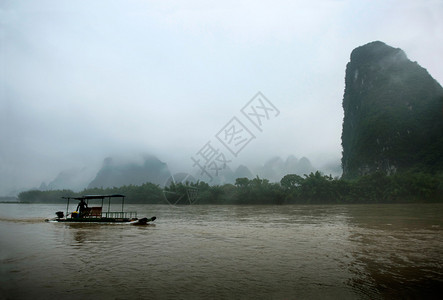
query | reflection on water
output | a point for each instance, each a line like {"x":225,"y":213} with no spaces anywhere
{"x":201,"y":252}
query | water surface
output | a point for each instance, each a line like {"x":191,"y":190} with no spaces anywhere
{"x":221,"y":252}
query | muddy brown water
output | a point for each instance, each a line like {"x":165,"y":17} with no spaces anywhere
{"x":226,"y":252}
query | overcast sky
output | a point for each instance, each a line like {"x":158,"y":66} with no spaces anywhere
{"x":82,"y":80}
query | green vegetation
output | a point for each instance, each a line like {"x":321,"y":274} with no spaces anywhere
{"x":392,"y":142}
{"x":314,"y":188}
{"x":145,"y":193}
{"x":392,"y":114}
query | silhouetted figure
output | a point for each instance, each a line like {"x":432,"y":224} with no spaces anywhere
{"x":81,"y":208}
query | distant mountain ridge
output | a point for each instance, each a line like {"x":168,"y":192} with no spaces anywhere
{"x":118,"y":174}
{"x":393,"y":114}
{"x":75,"y":179}
{"x":273,"y":169}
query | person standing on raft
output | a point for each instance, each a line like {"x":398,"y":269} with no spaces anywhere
{"x":81,"y":208}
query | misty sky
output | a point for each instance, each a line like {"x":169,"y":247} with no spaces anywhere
{"x":83,"y":80}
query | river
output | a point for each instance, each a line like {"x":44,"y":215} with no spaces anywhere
{"x":226,"y":252}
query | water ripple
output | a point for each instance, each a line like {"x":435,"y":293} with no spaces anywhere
{"x":219,"y":252}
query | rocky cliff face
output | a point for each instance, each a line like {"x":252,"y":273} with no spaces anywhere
{"x":393,"y":114}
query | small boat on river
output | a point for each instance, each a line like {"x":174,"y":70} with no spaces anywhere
{"x":96,"y":214}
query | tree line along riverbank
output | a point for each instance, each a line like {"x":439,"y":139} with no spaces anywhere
{"x":313,"y":188}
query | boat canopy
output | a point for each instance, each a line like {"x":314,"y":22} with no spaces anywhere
{"x":102,"y":197}
{"x":87,"y":197}
{"x":96,"y":212}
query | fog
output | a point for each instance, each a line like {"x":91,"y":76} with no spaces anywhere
{"x":85,"y":80}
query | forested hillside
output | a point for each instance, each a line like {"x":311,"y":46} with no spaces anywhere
{"x":393,"y":114}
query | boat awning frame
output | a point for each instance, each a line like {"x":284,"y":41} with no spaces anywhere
{"x":88,"y":197}
{"x":102,"y":197}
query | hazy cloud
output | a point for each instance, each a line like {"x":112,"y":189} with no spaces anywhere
{"x":83,"y":80}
